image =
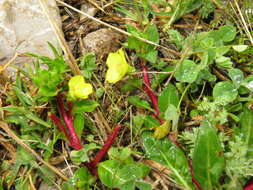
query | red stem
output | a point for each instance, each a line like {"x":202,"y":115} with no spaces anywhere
{"x":66,"y":115}
{"x":92,"y":165}
{"x":147,"y":88}
{"x":59,"y":124}
{"x":248,"y":187}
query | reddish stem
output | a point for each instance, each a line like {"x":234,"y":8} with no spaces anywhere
{"x":68,"y":118}
{"x":92,"y":165}
{"x":249,"y":186}
{"x":147,"y":88}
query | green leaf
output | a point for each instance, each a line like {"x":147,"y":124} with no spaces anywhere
{"x":47,"y":175}
{"x":248,"y":82}
{"x":187,"y":71}
{"x":79,"y":124}
{"x":208,"y":159}
{"x":237,"y":76}
{"x":168,"y":96}
{"x":227,"y":33}
{"x":82,"y":179}
{"x":168,"y":154}
{"x":131,"y":85}
{"x":136,"y":101}
{"x":79,"y":156}
{"x":24,"y":98}
{"x":246,"y":122}
{"x":172,"y":114}
{"x":240,"y":48}
{"x":84,"y":106}
{"x":225,"y":91}
{"x":114,"y":175}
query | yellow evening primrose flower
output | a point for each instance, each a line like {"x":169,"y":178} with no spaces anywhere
{"x":78,"y":88}
{"x":117,"y":66}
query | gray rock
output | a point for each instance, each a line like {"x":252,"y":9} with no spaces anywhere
{"x":102,"y":42}
{"x":25,"y":28}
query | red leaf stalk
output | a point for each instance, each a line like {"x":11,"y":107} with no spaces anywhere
{"x":92,"y":165}
{"x":249,"y":186}
{"x":147,"y":88}
{"x":69,"y":130}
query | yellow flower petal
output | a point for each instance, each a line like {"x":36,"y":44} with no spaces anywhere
{"x":117,"y":66}
{"x":78,"y":88}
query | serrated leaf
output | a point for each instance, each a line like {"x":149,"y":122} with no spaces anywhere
{"x":208,"y":159}
{"x":168,"y":96}
{"x":168,"y":154}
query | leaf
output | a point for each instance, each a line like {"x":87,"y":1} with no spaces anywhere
{"x":172,"y":114}
{"x":208,"y":159}
{"x":84,"y":106}
{"x":246,"y":122}
{"x":136,"y":101}
{"x":79,"y":124}
{"x":47,"y":175}
{"x":79,"y":156}
{"x":227,"y":33}
{"x":117,"y":66}
{"x":168,"y":96}
{"x":78,"y":88}
{"x":240,"y":48}
{"x":82,"y":179}
{"x":248,"y":82}
{"x":131,"y":85}
{"x":225,"y":91}
{"x":114,"y":175}
{"x":168,"y":154}
{"x":162,"y":130}
{"x":24,"y":98}
{"x":187,"y":72}
{"x":237,"y":76}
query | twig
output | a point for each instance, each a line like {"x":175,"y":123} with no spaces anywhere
{"x":6,"y":128}
{"x":117,"y":29}
{"x":60,"y":36}
{"x":3,"y":67}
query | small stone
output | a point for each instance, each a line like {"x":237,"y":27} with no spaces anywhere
{"x":102,"y":42}
{"x":25,"y":28}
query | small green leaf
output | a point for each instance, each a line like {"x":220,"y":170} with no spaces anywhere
{"x":187,"y":71}
{"x":172,"y":114}
{"x":168,"y":154}
{"x":131,"y":85}
{"x":248,"y":82}
{"x":84,"y":106}
{"x":136,"y":101}
{"x":168,"y":96}
{"x":47,"y":175}
{"x":227,"y":33}
{"x":208,"y":159}
{"x":225,"y":91}
{"x":240,"y":48}
{"x":79,"y":124}
{"x":237,"y":76}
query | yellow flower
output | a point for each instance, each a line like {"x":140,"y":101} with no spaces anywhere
{"x":117,"y":66}
{"x":78,"y":88}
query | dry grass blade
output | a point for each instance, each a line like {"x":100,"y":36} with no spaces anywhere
{"x":242,"y":20}
{"x":3,"y":67}
{"x":60,"y":36}
{"x":117,"y":29}
{"x":6,"y":128}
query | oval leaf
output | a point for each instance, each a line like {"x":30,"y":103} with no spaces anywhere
{"x":187,"y":72}
{"x":208,"y":160}
{"x":225,"y":91}
{"x":168,"y":96}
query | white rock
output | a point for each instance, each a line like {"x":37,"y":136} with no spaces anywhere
{"x":25,"y":28}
